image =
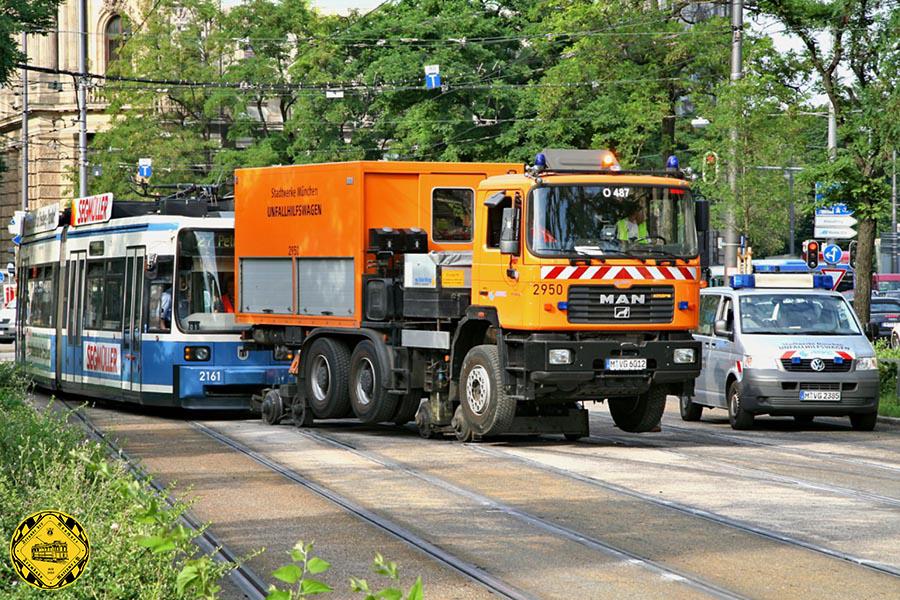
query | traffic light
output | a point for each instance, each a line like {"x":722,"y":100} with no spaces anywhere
{"x":811,"y":253}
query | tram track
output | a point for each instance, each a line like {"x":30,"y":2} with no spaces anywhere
{"x":752,"y":473}
{"x":244,"y":578}
{"x":555,"y":529}
{"x":472,"y":571}
{"x":693,"y":511}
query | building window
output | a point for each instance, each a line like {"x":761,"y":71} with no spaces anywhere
{"x":114,"y":38}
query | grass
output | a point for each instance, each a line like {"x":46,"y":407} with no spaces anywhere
{"x":889,"y":403}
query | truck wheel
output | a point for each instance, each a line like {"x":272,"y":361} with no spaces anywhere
{"x":408,"y":406}
{"x":369,"y":398}
{"x":737,"y":416}
{"x":864,"y":422}
{"x":690,"y":411}
{"x":272,"y":407}
{"x":486,"y":406}
{"x":327,"y":369}
{"x":641,"y":415}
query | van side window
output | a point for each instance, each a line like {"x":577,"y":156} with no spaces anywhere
{"x":495,"y":222}
{"x":708,"y":306}
{"x":451,"y":214}
{"x":727,"y":314}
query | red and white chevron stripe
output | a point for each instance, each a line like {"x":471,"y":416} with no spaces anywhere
{"x":612,"y":273}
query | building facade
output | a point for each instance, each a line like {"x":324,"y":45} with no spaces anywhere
{"x":53,"y":110}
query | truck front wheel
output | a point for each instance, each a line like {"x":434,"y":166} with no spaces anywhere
{"x":486,"y":406}
{"x":640,"y":415}
{"x":369,"y":398}
{"x":327,"y":366}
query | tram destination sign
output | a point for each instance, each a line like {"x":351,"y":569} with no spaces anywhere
{"x":46,"y":218}
{"x":92,"y":209}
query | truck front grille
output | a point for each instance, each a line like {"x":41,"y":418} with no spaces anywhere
{"x":609,"y":304}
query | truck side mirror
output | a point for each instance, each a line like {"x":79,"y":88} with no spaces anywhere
{"x":701,"y":215}
{"x":509,"y":232}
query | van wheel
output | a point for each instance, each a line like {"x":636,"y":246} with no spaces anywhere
{"x":737,"y":416}
{"x":408,"y":407}
{"x":864,"y":422}
{"x":327,"y":368}
{"x":641,"y":414}
{"x":690,"y":410}
{"x":486,"y":406}
{"x":369,"y":397}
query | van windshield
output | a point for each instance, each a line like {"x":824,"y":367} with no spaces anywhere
{"x":783,"y":314}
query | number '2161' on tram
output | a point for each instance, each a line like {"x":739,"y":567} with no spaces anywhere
{"x":138,"y":309}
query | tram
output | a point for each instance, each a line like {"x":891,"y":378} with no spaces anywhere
{"x":135,"y":302}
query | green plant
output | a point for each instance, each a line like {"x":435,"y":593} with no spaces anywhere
{"x":390,"y":570}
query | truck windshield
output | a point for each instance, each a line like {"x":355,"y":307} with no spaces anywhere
{"x":783,"y":314}
{"x":614,"y":220}
{"x":204,"y":297}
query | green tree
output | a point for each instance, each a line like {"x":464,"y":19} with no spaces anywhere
{"x":858,"y":73}
{"x":21,"y":16}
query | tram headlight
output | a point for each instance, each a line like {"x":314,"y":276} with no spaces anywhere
{"x":196,"y":353}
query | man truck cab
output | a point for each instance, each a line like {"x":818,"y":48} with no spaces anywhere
{"x":783,"y":345}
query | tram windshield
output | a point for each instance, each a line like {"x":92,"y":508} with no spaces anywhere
{"x":204,"y":283}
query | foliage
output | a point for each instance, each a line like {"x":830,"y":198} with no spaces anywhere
{"x":305,"y":563}
{"x":888,"y":361}
{"x":138,"y":548}
{"x":16,"y":17}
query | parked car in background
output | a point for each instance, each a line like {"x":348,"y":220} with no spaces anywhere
{"x":886,"y":284}
{"x":883,"y":315}
{"x":8,"y":323}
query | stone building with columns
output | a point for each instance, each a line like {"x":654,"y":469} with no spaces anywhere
{"x":53,"y":110}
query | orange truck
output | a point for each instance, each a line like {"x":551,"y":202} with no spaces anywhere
{"x":476,"y":298}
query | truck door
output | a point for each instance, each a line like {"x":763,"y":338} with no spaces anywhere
{"x":74,"y":357}
{"x":133,"y":319}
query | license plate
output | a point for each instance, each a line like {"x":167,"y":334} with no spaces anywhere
{"x":626,"y":364}
{"x":821,"y":396}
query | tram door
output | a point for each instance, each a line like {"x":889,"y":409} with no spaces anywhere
{"x":74,"y":356}
{"x":133,"y":318}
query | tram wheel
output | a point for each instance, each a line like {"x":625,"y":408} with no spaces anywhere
{"x":272,"y":407}
{"x":327,"y":369}
{"x":369,"y":397}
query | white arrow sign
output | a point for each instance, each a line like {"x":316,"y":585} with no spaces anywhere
{"x":837,"y":233}
{"x":835,"y":221}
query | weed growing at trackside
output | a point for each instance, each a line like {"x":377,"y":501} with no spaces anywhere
{"x":304,"y":563}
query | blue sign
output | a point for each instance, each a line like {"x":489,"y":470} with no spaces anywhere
{"x":432,"y":81}
{"x":2,"y":277}
{"x":145,"y":171}
{"x":832,"y":254}
{"x":17,"y":240}
{"x":838,"y":210}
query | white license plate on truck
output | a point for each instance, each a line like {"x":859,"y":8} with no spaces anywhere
{"x":821,"y":396}
{"x":626,"y":364}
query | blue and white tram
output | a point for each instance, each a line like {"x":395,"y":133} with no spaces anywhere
{"x":139,"y":309}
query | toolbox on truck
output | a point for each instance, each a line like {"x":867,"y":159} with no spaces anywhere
{"x":437,"y":285}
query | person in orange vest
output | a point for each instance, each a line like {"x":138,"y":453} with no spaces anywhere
{"x":226,"y":301}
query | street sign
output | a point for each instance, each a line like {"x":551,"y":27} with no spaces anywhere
{"x":432,"y":77}
{"x":837,"y":275}
{"x":145,"y":167}
{"x":836,"y":233}
{"x":837,"y":210}
{"x":835,"y":221}
{"x":832,"y":254}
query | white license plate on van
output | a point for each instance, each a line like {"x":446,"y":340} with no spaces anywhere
{"x":626,"y":364}
{"x":821,"y":396}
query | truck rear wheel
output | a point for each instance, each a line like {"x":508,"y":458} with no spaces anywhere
{"x":486,"y":406}
{"x":327,"y":367}
{"x":369,"y":397}
{"x":408,"y":406}
{"x":643,"y":414}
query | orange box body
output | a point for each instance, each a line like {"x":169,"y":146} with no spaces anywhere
{"x":326,"y":210}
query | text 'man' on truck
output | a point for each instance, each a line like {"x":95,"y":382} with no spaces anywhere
{"x":504,"y":296}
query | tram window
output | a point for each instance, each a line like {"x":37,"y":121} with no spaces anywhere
{"x":104,"y":297}
{"x":39,"y":302}
{"x":161,"y":298}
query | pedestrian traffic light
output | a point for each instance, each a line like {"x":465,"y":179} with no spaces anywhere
{"x":811,"y":253}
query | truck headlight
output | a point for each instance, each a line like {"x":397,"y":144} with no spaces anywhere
{"x":684,"y":356}
{"x":560,"y":356}
{"x":869,"y":363}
